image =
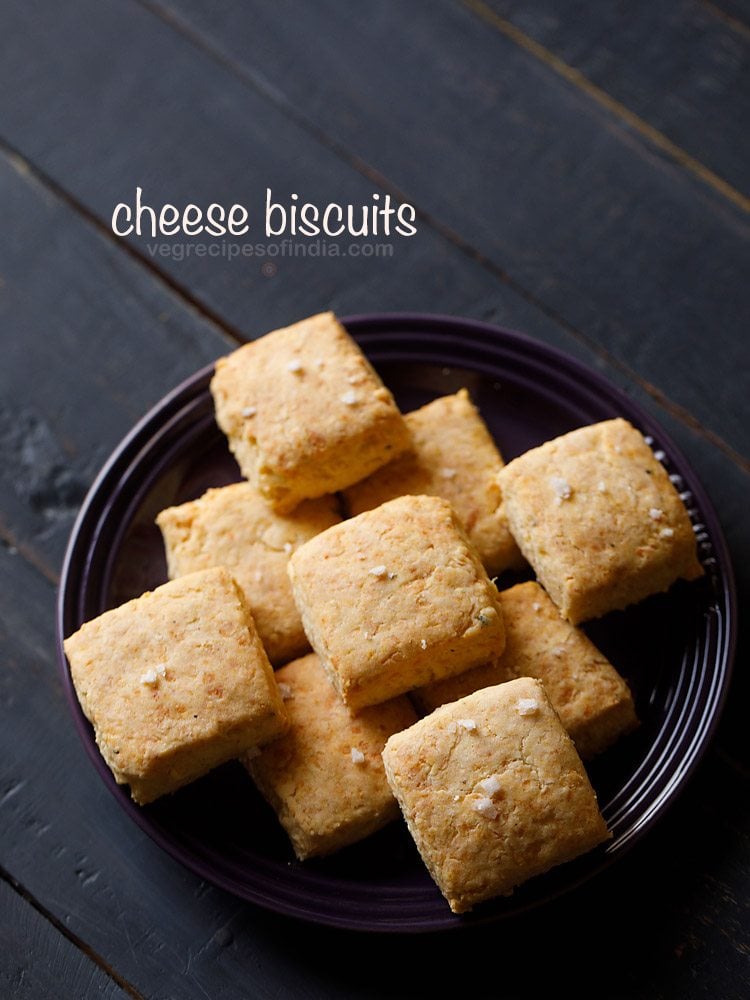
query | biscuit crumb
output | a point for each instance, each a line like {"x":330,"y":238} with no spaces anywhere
{"x":379,"y":571}
{"x":350,"y":398}
{"x":485,"y":806}
{"x":561,"y":488}
{"x":527,"y":706}
{"x":249,"y":411}
{"x":252,"y":753}
{"x":656,"y":513}
{"x":285,"y":691}
{"x":357,"y":756}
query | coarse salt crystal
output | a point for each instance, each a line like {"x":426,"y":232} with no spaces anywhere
{"x":666,"y":532}
{"x":488,"y":786}
{"x":448,"y":473}
{"x":350,"y":398}
{"x":561,"y":488}
{"x":149,"y":677}
{"x":536,"y":606}
{"x":649,"y":440}
{"x":285,"y":691}
{"x":378,"y":571}
{"x":423,"y":643}
{"x":527,"y":706}
{"x":656,"y":513}
{"x":557,"y":650}
{"x":602,"y":487}
{"x":467,"y":724}
{"x":249,"y":411}
{"x":287,"y":547}
{"x":485,"y":806}
{"x":357,"y":756}
{"x":660,"y":456}
{"x":294,"y":366}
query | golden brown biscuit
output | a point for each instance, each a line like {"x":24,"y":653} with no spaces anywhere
{"x":394,"y":598}
{"x":452,"y":456}
{"x":493,"y":792}
{"x":325,"y":777}
{"x":234,"y":527}
{"x":598,"y":519}
{"x":175,"y":682}
{"x":304,"y":412}
{"x":594,"y":703}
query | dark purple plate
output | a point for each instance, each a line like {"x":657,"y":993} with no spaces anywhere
{"x":675,"y":649}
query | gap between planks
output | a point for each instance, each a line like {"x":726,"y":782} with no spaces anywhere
{"x":729,"y":19}
{"x":77,"y":942}
{"x":603,"y":99}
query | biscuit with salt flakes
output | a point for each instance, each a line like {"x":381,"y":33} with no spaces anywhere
{"x":304,"y":412}
{"x":175,"y":683}
{"x":234,"y":527}
{"x":594,"y":703}
{"x":597,"y":517}
{"x":324,"y":778}
{"x":452,"y":456}
{"x":493,"y":792}
{"x":394,"y":598}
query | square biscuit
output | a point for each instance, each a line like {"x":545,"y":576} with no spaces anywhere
{"x":593,"y":701}
{"x":324,"y":778}
{"x":175,"y":683}
{"x":597,"y":517}
{"x":234,"y":527}
{"x":304,"y":412}
{"x":493,"y":792}
{"x":394,"y":598}
{"x":452,"y":456}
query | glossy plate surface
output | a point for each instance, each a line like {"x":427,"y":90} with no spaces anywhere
{"x":675,"y":649}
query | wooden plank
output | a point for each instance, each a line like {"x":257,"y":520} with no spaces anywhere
{"x":677,"y":66}
{"x":675,"y":908}
{"x":37,"y":961}
{"x":89,"y":342}
{"x":592,"y":222}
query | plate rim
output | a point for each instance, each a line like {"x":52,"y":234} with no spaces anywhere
{"x":376,"y":324}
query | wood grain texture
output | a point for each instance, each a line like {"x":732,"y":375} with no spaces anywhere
{"x":677,"y":66}
{"x":674,"y":909}
{"x":89,"y":343}
{"x":40,"y":963}
{"x":594,"y":224}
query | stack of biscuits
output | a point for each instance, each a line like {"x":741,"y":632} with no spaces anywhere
{"x":333,"y":620}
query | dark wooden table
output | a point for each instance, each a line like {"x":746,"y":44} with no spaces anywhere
{"x":580,"y":172}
